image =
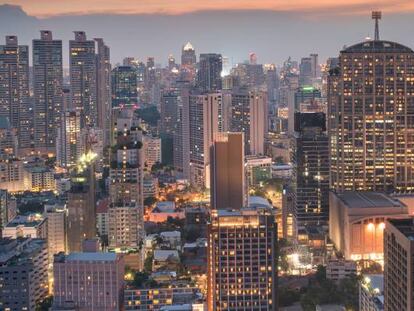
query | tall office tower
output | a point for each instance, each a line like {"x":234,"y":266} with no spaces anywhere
{"x":398,"y":264}
{"x":127,"y":165}
{"x":56,"y":229}
{"x":150,"y":75}
{"x":69,"y":145}
{"x":23,"y":267}
{"x":272,"y":83}
{"x":310,"y":159}
{"x":304,"y":99}
{"x":249,"y":112}
{"x":209,"y":72}
{"x":83,"y":78}
{"x":14,"y":90}
{"x":81,"y":203}
{"x":47,"y":82}
{"x":124,"y":225}
{"x":103,"y":88}
{"x":314,"y":65}
{"x":124,"y":86}
{"x":305,"y":71}
{"x":227,"y":178}
{"x":8,"y":208}
{"x":242,"y":260}
{"x":205,"y":120}
{"x":188,"y":55}
{"x":370,"y":99}
{"x":88,"y":281}
{"x":169,"y":110}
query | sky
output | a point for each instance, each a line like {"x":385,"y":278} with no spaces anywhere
{"x":44,"y":8}
{"x":273,"y":29}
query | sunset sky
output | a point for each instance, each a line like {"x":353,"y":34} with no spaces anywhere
{"x":273,"y":29}
{"x":47,"y":8}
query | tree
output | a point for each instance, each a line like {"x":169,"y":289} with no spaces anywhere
{"x":45,"y":305}
{"x":287,"y":296}
{"x":150,"y":201}
{"x":149,"y":114}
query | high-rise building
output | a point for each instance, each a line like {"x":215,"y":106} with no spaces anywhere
{"x":83,"y":78}
{"x":209,"y":72}
{"x":14,"y":90}
{"x":249,"y":112}
{"x":88,"y":281}
{"x":103,"y":87}
{"x":124,"y":225}
{"x":370,"y":96}
{"x":242,"y":260}
{"x":81,"y":203}
{"x":181,"y":135}
{"x":23,"y":267}
{"x":169,"y":110}
{"x":8,"y":208}
{"x":127,"y":164}
{"x":8,"y":139}
{"x":305,"y":99}
{"x":69,"y":146}
{"x":188,"y":55}
{"x":55,"y":215}
{"x":124,"y":86}
{"x":150,"y":75}
{"x":398,"y":264}
{"x":47,"y":82}
{"x":227,"y":177}
{"x":310,"y":159}
{"x":205,"y":119}
{"x":152,"y":151}
{"x":305,"y":71}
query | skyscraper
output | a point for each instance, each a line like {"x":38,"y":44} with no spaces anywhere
{"x":103,"y":85}
{"x":126,"y":174}
{"x":124,"y":86}
{"x":227,"y":176}
{"x":242,"y":260}
{"x":209,"y":72}
{"x":69,"y":145}
{"x":83,"y":78}
{"x":370,"y":103}
{"x":310,"y":159}
{"x":88,"y":281}
{"x":14,"y":90}
{"x":398,"y":264}
{"x":249,"y":112}
{"x":81,"y":204}
{"x":47,"y":81}
{"x":188,"y":55}
{"x":181,"y":135}
{"x":23,"y":267}
{"x":205,"y":119}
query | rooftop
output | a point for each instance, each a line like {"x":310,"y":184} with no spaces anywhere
{"x":355,"y":199}
{"x":91,"y":257}
{"x":405,"y":226}
{"x":377,"y":46}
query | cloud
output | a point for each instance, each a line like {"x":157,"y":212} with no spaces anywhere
{"x":47,"y":8}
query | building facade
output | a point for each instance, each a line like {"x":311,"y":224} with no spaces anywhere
{"x":370,"y":102}
{"x":47,"y":84}
{"x":242,"y":260}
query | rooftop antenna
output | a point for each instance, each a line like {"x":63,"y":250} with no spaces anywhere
{"x":376,"y":15}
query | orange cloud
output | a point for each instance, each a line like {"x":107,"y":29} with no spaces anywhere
{"x":44,"y":8}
